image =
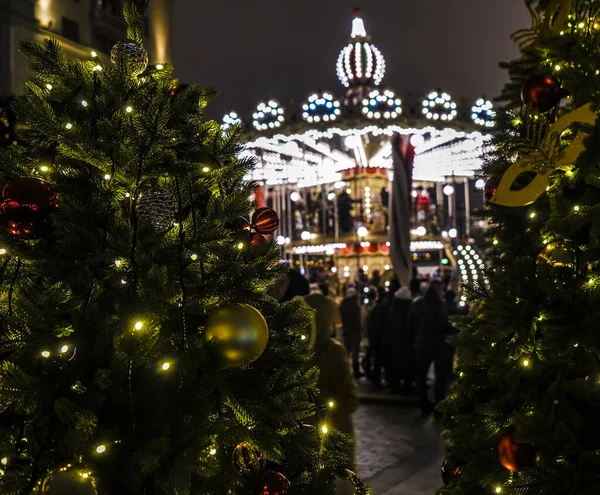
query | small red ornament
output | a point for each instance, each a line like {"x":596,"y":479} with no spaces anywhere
{"x":274,"y":484}
{"x":512,"y":455}
{"x":542,"y":92}
{"x":248,"y":461}
{"x":27,"y":207}
{"x":265,"y":220}
{"x":178,"y":88}
{"x":450,"y":469}
{"x":257,"y":240}
{"x":490,"y":188}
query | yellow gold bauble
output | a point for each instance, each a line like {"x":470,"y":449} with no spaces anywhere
{"x":237,"y":335}
{"x":555,"y":254}
{"x":72,"y":479}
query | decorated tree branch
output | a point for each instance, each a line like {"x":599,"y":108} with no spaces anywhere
{"x":521,"y":418}
{"x":140,"y":350}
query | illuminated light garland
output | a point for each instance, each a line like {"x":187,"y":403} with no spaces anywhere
{"x":268,"y":116}
{"x":482,"y":113}
{"x":319,"y":249}
{"x":439,"y":106}
{"x":321,"y":108}
{"x":230,"y":120}
{"x":471,"y":266}
{"x":416,"y":246}
{"x":286,"y":159}
{"x":382,"y":104}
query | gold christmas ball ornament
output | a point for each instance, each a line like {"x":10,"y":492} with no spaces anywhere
{"x":237,"y":335}
{"x":248,"y":462}
{"x":555,"y":254}
{"x":130,"y":55}
{"x":69,"y":480}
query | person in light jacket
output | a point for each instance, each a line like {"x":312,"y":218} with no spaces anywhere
{"x":336,"y":380}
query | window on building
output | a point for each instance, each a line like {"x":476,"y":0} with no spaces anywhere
{"x":70,"y":29}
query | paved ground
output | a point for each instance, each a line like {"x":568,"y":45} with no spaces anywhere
{"x":399,"y":453}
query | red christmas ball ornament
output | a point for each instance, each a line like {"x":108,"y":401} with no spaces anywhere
{"x":178,"y":88}
{"x":248,"y":461}
{"x":490,"y":188}
{"x":265,"y":220}
{"x":257,"y":240}
{"x":450,"y":469}
{"x":512,"y":455}
{"x":542,"y":92}
{"x":274,"y":484}
{"x":27,"y":208}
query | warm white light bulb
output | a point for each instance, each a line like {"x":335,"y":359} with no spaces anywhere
{"x":43,"y":168}
{"x":165,"y":366}
{"x":138,"y":325}
{"x":64,"y":348}
{"x":101,"y":449}
{"x":205,"y":169}
{"x":159,"y":66}
{"x":49,"y":86}
{"x":46,"y":354}
{"x":84,"y":103}
{"x":94,"y":54}
{"x":2,"y":251}
{"x":69,"y":125}
{"x":240,"y":245}
{"x":106,"y":176}
{"x":194,"y":257}
{"x":324,"y":429}
{"x":129,"y":109}
{"x":212,"y":451}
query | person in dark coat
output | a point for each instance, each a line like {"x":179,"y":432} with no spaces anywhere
{"x":402,"y":362}
{"x":292,"y":284}
{"x":344,"y":207}
{"x":428,"y":320}
{"x":351,"y":317}
{"x":377,"y":321}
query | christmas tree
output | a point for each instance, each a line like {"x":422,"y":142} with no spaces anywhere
{"x":141,"y":351}
{"x":522,"y":417}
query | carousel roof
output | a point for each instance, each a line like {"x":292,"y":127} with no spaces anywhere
{"x":330,"y":132}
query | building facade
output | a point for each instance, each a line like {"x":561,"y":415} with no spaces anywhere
{"x":80,"y":26}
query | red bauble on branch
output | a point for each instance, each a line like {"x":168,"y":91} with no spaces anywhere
{"x":490,"y":188}
{"x":542,"y":92}
{"x":274,"y":484}
{"x":27,"y":208}
{"x":265,"y":220}
{"x":257,"y":240}
{"x":450,"y":469}
{"x":512,"y":455}
{"x":178,"y":88}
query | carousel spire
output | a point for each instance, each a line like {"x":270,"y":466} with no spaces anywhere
{"x":360,"y":63}
{"x":358,"y":26}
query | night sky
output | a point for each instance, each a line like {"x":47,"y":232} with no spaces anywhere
{"x":261,"y":49}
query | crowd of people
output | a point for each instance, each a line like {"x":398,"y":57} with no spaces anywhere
{"x":406,"y":333}
{"x":391,"y":342}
